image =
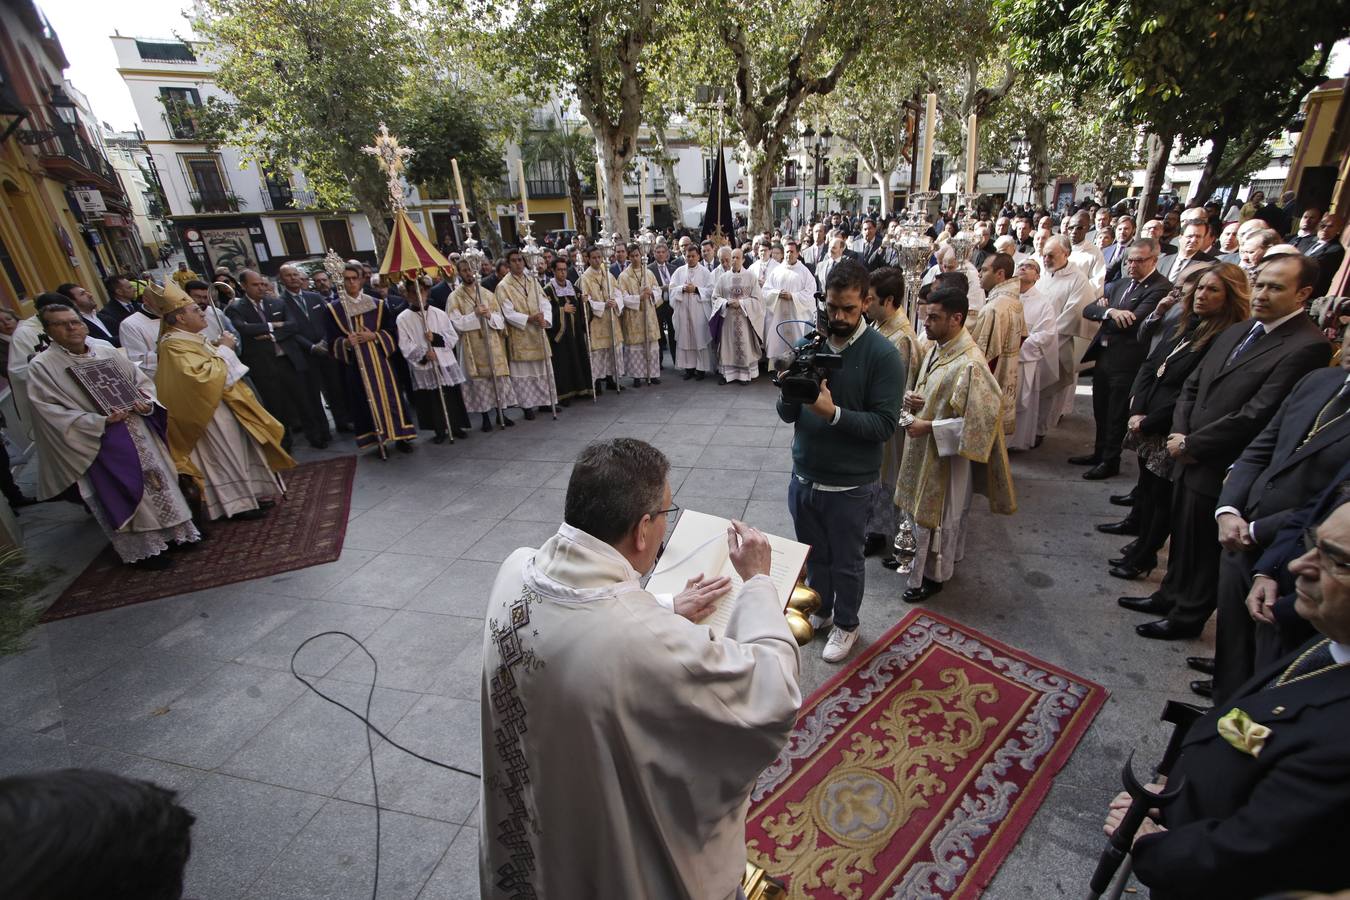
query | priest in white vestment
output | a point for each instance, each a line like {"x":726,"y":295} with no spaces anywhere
{"x":621,"y":739}
{"x":118,"y":460}
{"x":427,"y":340}
{"x":23,"y":345}
{"x":736,"y":297}
{"x":599,"y":289}
{"x":139,"y":336}
{"x":1069,"y":292}
{"x":1083,"y":253}
{"x":1038,"y":359}
{"x":789,"y":295}
{"x":691,"y":300}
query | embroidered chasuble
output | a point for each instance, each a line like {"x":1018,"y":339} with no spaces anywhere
{"x":527,"y":343}
{"x":957,"y":384}
{"x":998,"y":332}
{"x":742,"y":338}
{"x":367,"y":369}
{"x":483,"y":354}
{"x":607,"y":355}
{"x":620,"y":742}
{"x":641,"y":329}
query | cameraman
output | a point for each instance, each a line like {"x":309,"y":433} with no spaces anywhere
{"x":836,"y":454}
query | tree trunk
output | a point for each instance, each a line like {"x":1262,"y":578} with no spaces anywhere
{"x":1038,"y":160}
{"x":487,"y":228}
{"x":667,"y":163}
{"x":1205,"y":184}
{"x":1159,"y":152}
{"x":761,"y":192}
{"x":612,"y":164}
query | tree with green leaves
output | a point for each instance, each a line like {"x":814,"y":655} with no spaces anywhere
{"x":1188,"y":70}
{"x":566,"y":149}
{"x":310,"y":81}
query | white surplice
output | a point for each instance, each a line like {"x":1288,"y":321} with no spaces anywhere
{"x":690,"y":311}
{"x":1088,"y":257}
{"x":798,"y":281}
{"x":620,"y":742}
{"x":139,"y":335}
{"x":1039,"y":361}
{"x":1069,"y":292}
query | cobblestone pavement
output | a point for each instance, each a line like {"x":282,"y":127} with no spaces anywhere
{"x":194,"y":691}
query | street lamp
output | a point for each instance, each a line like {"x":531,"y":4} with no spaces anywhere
{"x":65,"y":107}
{"x":817,"y":145}
{"x":1020,"y":146}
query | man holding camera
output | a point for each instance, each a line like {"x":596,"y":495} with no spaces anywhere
{"x":836,"y":452}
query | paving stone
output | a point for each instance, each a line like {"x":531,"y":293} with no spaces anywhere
{"x":389,"y":580}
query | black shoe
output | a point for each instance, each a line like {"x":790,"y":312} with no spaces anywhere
{"x":653,"y":380}
{"x":460,"y":432}
{"x":1121,"y":499}
{"x":440,"y":438}
{"x":506,"y":421}
{"x":1040,"y":439}
{"x":546,"y":409}
{"x":1130,"y":571}
{"x":321,"y":444}
{"x":1129,"y":548}
{"x":891,"y":563}
{"x":1102,"y":470}
{"x":487,"y":423}
{"x":1166,"y":630}
{"x":637,"y":382}
{"x":1090,"y":459}
{"x":721,"y":379}
{"x":345,"y":428}
{"x":688,"y":374}
{"x":1204,"y":687}
{"x":1202,"y":664}
{"x":921,"y":593}
{"x":699,"y":376}
{"x":874,"y":543}
{"x":564,"y":403}
{"x":155,"y":563}
{"x":529,"y":415}
{"x":1124,"y":526}
{"x":404,"y":446}
{"x":249,"y":515}
{"x":1152,"y":604}
{"x":609,"y":383}
{"x":21,"y":500}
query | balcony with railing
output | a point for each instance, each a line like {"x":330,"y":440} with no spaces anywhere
{"x":216,"y":201}
{"x":546,"y":187}
{"x":181,"y":123}
{"x":276,"y":197}
{"x":70,"y":157}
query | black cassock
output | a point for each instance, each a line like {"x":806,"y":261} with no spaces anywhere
{"x":567,"y":334}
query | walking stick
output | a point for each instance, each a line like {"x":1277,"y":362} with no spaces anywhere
{"x":613,"y":336}
{"x":586,"y":329}
{"x":1116,"y":854}
{"x":485,"y":322}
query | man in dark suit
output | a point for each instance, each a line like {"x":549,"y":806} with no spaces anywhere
{"x":307,"y":350}
{"x":1229,"y":398}
{"x":1306,"y":235}
{"x":1293,"y":458}
{"x":1115,"y":262}
{"x":263,"y":324}
{"x":121,"y":303}
{"x":661,"y":269}
{"x":1195,"y":240}
{"x":1118,"y":352}
{"x":867,"y":248}
{"x":1328,"y":251}
{"x":1263,"y":811}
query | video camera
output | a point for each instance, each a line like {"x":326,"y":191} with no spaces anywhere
{"x":799,"y":373}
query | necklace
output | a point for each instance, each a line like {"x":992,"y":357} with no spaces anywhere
{"x":1318,"y":424}
{"x":1293,"y":667}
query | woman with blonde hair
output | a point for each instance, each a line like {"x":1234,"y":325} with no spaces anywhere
{"x":1212,"y":298}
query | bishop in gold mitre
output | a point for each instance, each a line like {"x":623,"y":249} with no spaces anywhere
{"x":220,"y":437}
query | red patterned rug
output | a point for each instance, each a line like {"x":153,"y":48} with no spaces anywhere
{"x":913,"y":772}
{"x":305,"y":529}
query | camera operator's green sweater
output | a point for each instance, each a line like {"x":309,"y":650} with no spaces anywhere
{"x":868,"y":389}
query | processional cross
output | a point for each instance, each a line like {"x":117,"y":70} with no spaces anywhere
{"x":390,"y":156}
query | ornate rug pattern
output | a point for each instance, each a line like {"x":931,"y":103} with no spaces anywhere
{"x":305,"y":529}
{"x":913,"y":772}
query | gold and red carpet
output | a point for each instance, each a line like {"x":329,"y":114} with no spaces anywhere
{"x":304,"y":529}
{"x":914,"y":771}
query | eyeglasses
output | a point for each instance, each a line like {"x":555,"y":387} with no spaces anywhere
{"x":672,"y":510}
{"x":1332,"y":562}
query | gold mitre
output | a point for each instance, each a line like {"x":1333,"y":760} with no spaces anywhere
{"x":165,"y":299}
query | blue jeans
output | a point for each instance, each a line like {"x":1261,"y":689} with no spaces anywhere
{"x":832,"y":523}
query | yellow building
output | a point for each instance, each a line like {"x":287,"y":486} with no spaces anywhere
{"x":45,"y":157}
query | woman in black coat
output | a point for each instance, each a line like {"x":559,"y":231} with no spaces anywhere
{"x":1212,"y":297}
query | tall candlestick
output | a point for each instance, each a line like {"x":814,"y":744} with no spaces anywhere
{"x":524,"y":193}
{"x":599,"y":190}
{"x":459,"y":186}
{"x":972,"y":151}
{"x":930,"y":136}
{"x":642,"y":194}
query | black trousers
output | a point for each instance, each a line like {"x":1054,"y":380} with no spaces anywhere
{"x":665,"y":317}
{"x":832,"y":523}
{"x":309,"y":403}
{"x":1111,"y":407}
{"x":430,"y":416}
{"x":1191,"y":583}
{"x":275,"y":380}
{"x":330,"y":384}
{"x":1153,"y":506}
{"x":8,"y":487}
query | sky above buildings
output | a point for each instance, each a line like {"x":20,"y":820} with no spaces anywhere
{"x":85,"y":26}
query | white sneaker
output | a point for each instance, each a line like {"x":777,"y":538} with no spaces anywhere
{"x":839,"y":645}
{"x":820,"y":623}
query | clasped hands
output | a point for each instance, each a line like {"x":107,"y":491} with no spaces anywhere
{"x":750,"y":555}
{"x":914,"y":402}
{"x":141,"y":408}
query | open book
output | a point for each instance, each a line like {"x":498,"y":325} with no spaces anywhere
{"x":698,"y":545}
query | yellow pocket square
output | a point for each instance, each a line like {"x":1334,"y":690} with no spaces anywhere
{"x":1238,"y":729}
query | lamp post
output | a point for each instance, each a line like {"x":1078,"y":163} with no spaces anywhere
{"x":1019,"y":146}
{"x":816,"y":145}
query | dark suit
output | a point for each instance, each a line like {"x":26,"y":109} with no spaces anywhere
{"x":112,"y":315}
{"x":1118,"y":353}
{"x":1154,"y":396}
{"x":315,"y":367}
{"x":1114,"y":254}
{"x":663,"y":312}
{"x":1274,"y":476}
{"x":872,"y":255}
{"x":1165,"y":265}
{"x":262,"y":333}
{"x":1302,"y":242}
{"x":97,"y":329}
{"x":1247,"y":826}
{"x":1329,"y":257}
{"x":1222,"y":408}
